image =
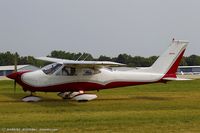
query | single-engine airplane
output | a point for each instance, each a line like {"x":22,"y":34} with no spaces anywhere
{"x":72,"y":78}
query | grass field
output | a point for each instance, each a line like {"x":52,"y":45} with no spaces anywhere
{"x":158,"y":108}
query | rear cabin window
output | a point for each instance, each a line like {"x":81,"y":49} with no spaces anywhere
{"x":88,"y":72}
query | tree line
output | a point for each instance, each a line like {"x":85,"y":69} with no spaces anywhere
{"x":8,"y":58}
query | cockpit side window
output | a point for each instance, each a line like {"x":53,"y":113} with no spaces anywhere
{"x":67,"y":71}
{"x":50,"y":69}
{"x":72,"y":71}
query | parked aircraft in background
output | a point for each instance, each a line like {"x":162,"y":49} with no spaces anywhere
{"x":71,"y":79}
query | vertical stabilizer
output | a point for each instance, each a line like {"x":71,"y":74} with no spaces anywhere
{"x":168,"y":62}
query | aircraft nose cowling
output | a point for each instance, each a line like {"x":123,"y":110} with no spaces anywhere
{"x":12,"y":75}
{"x":16,"y":75}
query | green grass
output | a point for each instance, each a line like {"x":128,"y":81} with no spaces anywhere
{"x":156,"y":108}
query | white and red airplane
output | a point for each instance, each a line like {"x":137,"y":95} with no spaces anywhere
{"x":72,"y":78}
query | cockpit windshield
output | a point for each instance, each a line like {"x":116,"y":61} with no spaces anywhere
{"x":50,"y":69}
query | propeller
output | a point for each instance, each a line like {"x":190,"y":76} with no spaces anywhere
{"x":15,"y":70}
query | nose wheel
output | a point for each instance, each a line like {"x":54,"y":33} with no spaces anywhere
{"x":31,"y":98}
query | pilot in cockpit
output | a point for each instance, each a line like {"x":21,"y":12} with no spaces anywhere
{"x":65,"y":71}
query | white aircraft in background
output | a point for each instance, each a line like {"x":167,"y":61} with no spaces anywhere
{"x":72,"y":78}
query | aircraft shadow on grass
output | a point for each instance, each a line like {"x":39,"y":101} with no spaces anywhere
{"x":138,"y":98}
{"x":12,"y":97}
{"x":152,"y":98}
{"x":47,"y":101}
{"x":52,"y":102}
{"x":18,"y":97}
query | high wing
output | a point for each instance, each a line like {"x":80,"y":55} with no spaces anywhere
{"x":74,"y":63}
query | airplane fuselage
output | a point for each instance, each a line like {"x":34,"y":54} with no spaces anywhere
{"x":104,"y":79}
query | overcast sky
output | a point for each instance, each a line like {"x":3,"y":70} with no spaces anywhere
{"x":100,"y":27}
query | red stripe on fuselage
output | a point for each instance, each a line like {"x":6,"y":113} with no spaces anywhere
{"x":76,"y":86}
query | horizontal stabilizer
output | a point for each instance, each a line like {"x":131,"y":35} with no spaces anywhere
{"x":175,"y":79}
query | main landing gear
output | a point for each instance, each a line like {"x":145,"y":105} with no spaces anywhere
{"x":78,"y":96}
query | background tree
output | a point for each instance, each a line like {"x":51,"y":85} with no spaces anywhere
{"x":104,"y":58}
{"x":193,"y":60}
{"x":7,"y":58}
{"x":70,"y":56}
{"x":183,"y":61}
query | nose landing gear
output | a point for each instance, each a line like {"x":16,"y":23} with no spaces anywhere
{"x":31,"y":98}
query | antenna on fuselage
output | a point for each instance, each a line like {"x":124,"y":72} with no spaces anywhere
{"x":86,"y":57}
{"x":79,"y":57}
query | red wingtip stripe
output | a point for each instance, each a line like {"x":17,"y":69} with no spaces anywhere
{"x":172,"y":71}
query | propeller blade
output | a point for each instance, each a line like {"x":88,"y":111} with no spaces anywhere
{"x":15,"y":63}
{"x":15,"y":70}
{"x":15,"y":84}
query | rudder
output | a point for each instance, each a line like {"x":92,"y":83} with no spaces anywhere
{"x":168,"y":62}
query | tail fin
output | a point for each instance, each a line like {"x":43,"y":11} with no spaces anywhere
{"x":168,"y":62}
